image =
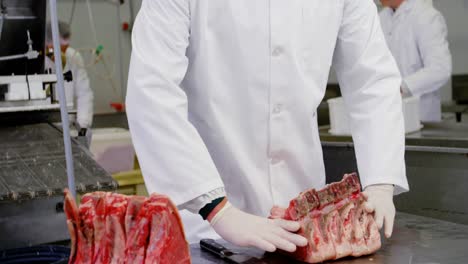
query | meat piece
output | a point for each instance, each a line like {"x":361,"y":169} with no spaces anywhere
{"x":138,"y":235}
{"x":358,"y":241}
{"x":87,"y":214}
{"x":367,"y":234}
{"x":114,"y":228}
{"x":335,"y":232}
{"x":114,"y":250}
{"x":167,"y":240}
{"x":134,"y":205}
{"x":334,"y":222}
{"x":373,"y":240}
{"x":74,"y":224}
{"x":99,"y":224}
{"x":71,"y":212}
{"x":347,"y":212}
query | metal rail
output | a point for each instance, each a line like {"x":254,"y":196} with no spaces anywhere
{"x":62,"y":97}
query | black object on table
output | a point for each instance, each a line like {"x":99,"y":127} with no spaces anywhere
{"x":218,"y":250}
{"x":36,"y":255}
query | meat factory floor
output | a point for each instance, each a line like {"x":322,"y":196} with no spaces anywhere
{"x":416,"y":239}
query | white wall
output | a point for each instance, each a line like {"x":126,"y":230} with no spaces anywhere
{"x":107,"y":88}
{"x":456,"y":15}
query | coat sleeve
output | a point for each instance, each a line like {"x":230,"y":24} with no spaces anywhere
{"x":84,"y":94}
{"x":370,"y":84}
{"x":173,"y":157}
{"x":431,"y":36}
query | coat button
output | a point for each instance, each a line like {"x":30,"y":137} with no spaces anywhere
{"x":274,"y":160}
{"x":277,"y":109}
{"x":277,"y":51}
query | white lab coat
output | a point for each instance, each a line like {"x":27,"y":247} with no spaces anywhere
{"x":78,"y":93}
{"x":417,"y":36}
{"x":224,"y":93}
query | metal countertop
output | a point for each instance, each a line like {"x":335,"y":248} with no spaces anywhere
{"x":444,"y":134}
{"x":110,"y":120}
{"x":416,"y":240}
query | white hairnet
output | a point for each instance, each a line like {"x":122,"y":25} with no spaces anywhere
{"x":64,"y":31}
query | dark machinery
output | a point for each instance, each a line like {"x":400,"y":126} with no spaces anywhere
{"x":33,"y":167}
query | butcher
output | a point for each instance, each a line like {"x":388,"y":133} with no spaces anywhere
{"x":222,"y":99}
{"x":416,"y":34}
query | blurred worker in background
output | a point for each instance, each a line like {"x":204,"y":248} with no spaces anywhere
{"x":416,"y":34}
{"x":222,"y":100}
{"x":78,"y":92}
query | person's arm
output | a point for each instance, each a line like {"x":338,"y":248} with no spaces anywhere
{"x":370,"y":84}
{"x":173,"y":157}
{"x":83,"y":92}
{"x":431,"y":36}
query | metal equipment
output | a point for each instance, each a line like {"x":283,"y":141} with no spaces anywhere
{"x":459,"y":106}
{"x":32,"y":178}
{"x":24,"y":83}
{"x":460,"y":88}
{"x":437,"y":170}
{"x":34,"y":168}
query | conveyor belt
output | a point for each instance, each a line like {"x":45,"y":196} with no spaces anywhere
{"x":416,"y":240}
{"x":32,"y":164}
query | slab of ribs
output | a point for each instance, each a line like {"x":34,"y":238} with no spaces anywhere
{"x":114,"y":228}
{"x":334,"y":222}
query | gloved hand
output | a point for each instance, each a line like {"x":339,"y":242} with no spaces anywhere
{"x":84,"y":136}
{"x":82,"y":132}
{"x":380,"y":202}
{"x":243,"y":229}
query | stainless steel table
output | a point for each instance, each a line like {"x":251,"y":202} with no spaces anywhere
{"x":443,"y":134}
{"x":110,"y":120}
{"x":416,"y":240}
{"x":436,"y":167}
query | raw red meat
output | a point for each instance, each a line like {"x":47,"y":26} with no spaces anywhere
{"x":74,"y":223}
{"x":166,"y":229}
{"x":334,"y":222}
{"x":92,"y":217}
{"x":71,"y":212}
{"x":114,"y":228}
{"x":114,"y":242}
{"x":138,"y":236}
{"x":134,"y":205}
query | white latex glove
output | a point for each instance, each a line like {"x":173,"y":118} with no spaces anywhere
{"x":246,"y":230}
{"x":380,"y":202}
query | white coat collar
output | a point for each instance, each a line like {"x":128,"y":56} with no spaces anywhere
{"x":408,"y":5}
{"x":405,"y":7}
